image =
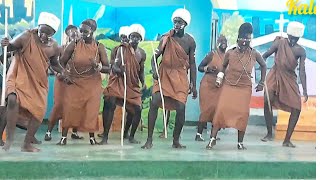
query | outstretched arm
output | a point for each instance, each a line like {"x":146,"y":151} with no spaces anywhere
{"x":16,"y":43}
{"x":271,"y":50}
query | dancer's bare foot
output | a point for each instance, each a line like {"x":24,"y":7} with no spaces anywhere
{"x":7,"y":145}
{"x":177,"y":145}
{"x":288,"y":144}
{"x":268,"y":137}
{"x":27,"y":147}
{"x":147,"y":145}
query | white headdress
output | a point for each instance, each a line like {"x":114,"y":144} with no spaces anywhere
{"x":183,"y":14}
{"x":138,"y":29}
{"x":124,"y":30}
{"x":295,"y":29}
{"x":49,"y":19}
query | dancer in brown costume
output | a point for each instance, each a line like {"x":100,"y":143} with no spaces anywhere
{"x":86,"y":59}
{"x":27,"y":83}
{"x":283,"y":90}
{"x":134,"y":58}
{"x":239,"y":62}
{"x":209,"y":93}
{"x":56,"y":113}
{"x":178,"y":55}
{"x":123,"y":35}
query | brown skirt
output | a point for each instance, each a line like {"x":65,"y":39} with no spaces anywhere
{"x":233,"y":107}
{"x":209,"y":96}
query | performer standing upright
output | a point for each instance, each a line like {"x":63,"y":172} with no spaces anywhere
{"x":237,"y":87}
{"x":178,"y":55}
{"x":27,"y":81}
{"x":283,"y":90}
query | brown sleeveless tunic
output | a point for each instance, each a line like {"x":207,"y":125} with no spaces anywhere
{"x":173,"y":72}
{"x":208,"y":92}
{"x":234,"y":101}
{"x":28,"y":79}
{"x":82,"y":99}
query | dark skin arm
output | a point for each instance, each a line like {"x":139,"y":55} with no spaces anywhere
{"x":65,"y":58}
{"x":67,"y":54}
{"x":225,"y":62}
{"x":193,"y":70}
{"x":263,"y":67}
{"x":54,"y":63}
{"x":8,"y":56}
{"x":302,"y":73}
{"x":271,"y":50}
{"x":103,"y":59}
{"x":154,"y":59}
{"x":17,"y":43}
{"x":141,"y":73}
{"x":56,"y":66}
{"x":117,"y":66}
{"x":205,"y":62}
{"x":224,"y":67}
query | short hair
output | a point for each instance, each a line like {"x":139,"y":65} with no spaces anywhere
{"x":70,"y":27}
{"x":221,"y":37}
{"x":244,"y":29}
{"x":91,"y":23}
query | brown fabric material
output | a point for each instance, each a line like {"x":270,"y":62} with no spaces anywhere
{"x":173,"y":71}
{"x":233,"y":107}
{"x":282,"y":79}
{"x":208,"y":92}
{"x":234,"y":102}
{"x":59,"y":88}
{"x":27,"y":78}
{"x":82,"y":99}
{"x":58,"y":91}
{"x":115,"y":86}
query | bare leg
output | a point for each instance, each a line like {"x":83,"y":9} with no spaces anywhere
{"x":162,"y":135}
{"x":75,"y":135}
{"x":63,"y":140}
{"x":180,"y":119}
{"x":201,"y":126}
{"x":54,"y":117}
{"x":152,"y":117}
{"x":268,"y":116}
{"x":135,"y":124}
{"x":213,"y":139}
{"x":12,"y":117}
{"x":32,"y":129}
{"x":128,"y":125}
{"x":240,"y":140}
{"x":3,"y":123}
{"x":92,"y":139}
{"x":108,"y":111}
{"x":294,"y":117}
{"x":35,"y":141}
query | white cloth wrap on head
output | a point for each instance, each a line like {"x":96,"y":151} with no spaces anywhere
{"x":137,"y":28}
{"x":295,"y":29}
{"x":124,"y":30}
{"x":183,"y":14}
{"x":49,"y":19}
